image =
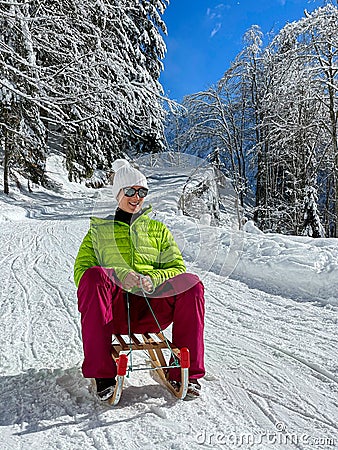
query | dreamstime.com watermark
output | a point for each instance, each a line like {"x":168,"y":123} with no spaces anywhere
{"x":279,"y":436}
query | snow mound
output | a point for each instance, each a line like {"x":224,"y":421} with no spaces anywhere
{"x":301,"y":267}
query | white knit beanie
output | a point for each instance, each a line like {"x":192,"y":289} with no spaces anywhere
{"x":126,"y":176}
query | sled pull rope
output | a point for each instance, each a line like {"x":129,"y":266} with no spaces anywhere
{"x":175,"y":359}
{"x":130,"y":367}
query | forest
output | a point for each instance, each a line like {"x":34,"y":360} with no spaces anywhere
{"x":81,"y":78}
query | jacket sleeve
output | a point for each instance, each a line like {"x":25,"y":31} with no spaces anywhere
{"x":85,"y":259}
{"x":170,"y":261}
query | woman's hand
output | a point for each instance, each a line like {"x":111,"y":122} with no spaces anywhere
{"x":134,"y":279}
{"x":147,"y":284}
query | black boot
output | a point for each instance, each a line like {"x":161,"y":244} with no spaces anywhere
{"x":105,"y":387}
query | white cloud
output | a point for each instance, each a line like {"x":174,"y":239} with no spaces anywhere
{"x":216,"y":29}
{"x":215,"y":16}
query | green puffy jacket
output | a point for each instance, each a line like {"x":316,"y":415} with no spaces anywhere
{"x":146,"y":246}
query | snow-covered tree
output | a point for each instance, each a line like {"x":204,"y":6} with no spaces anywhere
{"x":222,"y":120}
{"x":254,"y":79}
{"x":22,"y":133}
{"x":312,"y":225}
{"x":291,"y":129}
{"x":300,"y":113}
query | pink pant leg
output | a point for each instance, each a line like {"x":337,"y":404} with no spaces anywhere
{"x":187,"y":301}
{"x":96,"y":294}
{"x":188,"y":327}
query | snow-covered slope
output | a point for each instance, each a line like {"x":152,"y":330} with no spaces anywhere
{"x":271,"y":334}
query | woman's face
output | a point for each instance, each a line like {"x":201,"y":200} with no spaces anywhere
{"x":130,"y":204}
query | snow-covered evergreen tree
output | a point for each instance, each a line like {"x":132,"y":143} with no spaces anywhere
{"x":312,"y":225}
{"x":22,"y":133}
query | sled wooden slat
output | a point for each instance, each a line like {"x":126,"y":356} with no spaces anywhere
{"x":150,"y":339}
{"x":114,"y":353}
{"x":122,"y":342}
{"x":156,"y":347}
{"x":148,"y":344}
{"x":135,"y":340}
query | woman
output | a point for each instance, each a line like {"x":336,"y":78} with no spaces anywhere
{"x":128,"y":252}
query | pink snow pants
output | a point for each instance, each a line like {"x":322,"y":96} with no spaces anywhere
{"x":103,"y":307}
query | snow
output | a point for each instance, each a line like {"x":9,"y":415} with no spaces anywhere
{"x":271,"y":333}
{"x":11,"y":212}
{"x":250,"y":227}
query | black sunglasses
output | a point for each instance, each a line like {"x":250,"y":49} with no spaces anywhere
{"x":130,"y":192}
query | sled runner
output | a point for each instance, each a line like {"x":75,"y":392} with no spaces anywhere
{"x":153,"y":344}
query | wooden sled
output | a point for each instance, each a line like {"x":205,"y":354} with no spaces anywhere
{"x":153,"y":344}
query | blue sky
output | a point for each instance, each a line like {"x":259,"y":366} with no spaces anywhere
{"x":205,"y":36}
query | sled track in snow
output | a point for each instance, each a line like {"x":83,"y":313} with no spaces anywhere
{"x":38,"y":290}
{"x":267,"y":366}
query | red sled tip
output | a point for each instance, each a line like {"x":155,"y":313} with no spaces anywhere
{"x":185,"y":358}
{"x":122,"y":363}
